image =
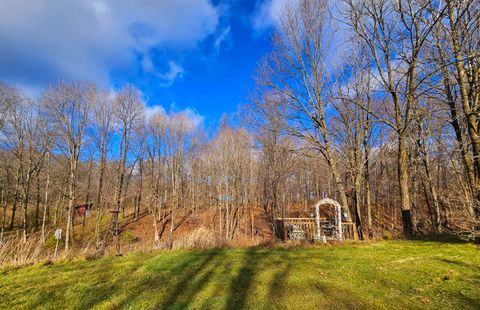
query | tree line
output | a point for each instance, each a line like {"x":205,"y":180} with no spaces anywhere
{"x":406,"y":85}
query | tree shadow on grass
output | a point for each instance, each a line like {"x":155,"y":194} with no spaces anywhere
{"x":70,"y":279}
{"x":278,"y":283}
{"x":189,"y":286}
{"x":107,"y":287}
{"x":459,"y":263}
{"x":471,"y":302}
{"x":443,"y":238}
{"x":216,"y":296}
{"x":158,"y":279}
{"x":338,"y":297}
{"x":242,"y":282}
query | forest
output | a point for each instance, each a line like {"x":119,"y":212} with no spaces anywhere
{"x":375,"y":104}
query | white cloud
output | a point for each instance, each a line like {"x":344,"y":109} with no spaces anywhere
{"x":44,"y":40}
{"x":191,"y":116}
{"x":100,"y":8}
{"x":152,"y":110}
{"x":174,"y":71}
{"x":147,"y":64}
{"x":269,"y":13}
{"x":222,"y":37}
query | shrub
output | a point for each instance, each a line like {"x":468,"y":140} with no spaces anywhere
{"x":128,"y":236}
{"x":14,"y":251}
{"x":200,"y":238}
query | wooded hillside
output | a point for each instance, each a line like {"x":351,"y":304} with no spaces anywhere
{"x":375,"y":104}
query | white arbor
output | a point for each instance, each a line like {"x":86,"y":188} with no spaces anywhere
{"x":338,"y":217}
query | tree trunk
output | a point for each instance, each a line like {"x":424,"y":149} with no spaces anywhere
{"x":15,"y":198}
{"x":37,"y":201}
{"x":99,"y":200}
{"x":470,"y":114}
{"x":368,"y":203}
{"x":431,"y":185}
{"x":25,"y":194}
{"x":358,"y":211}
{"x":462,"y":146}
{"x":404,"y":188}
{"x":71,"y":201}
{"x":3,"y":202}
{"x":46,"y":202}
{"x":340,"y":189}
{"x":139,"y":196}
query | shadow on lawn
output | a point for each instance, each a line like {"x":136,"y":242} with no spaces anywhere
{"x":327,"y":295}
{"x":278,"y":284}
{"x":103,"y":292}
{"x":188,"y":286}
{"x":73,"y":275}
{"x":106,"y":287}
{"x":241,"y":284}
{"x":183,"y":279}
{"x":443,"y":238}
{"x":459,"y":263}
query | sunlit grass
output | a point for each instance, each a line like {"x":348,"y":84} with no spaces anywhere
{"x":390,"y":274}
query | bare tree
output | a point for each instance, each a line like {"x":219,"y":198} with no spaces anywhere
{"x":464,"y":19}
{"x":294,"y":78}
{"x":102,"y":131}
{"x":395,"y":34}
{"x":157,"y":132}
{"x":67,"y":106}
{"x":129,"y":113}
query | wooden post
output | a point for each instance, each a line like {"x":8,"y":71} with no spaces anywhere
{"x":317,"y":222}
{"x":284,"y":231}
{"x":339,"y":222}
{"x":56,"y":249}
{"x":58,"y":236}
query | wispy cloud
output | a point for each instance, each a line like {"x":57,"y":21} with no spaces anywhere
{"x":221,"y":38}
{"x":45,"y":40}
{"x":196,"y":118}
{"x":174,"y":71}
{"x":150,"y":111}
{"x":191,"y":115}
{"x":269,"y":13}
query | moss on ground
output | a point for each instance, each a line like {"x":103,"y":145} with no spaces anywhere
{"x":388,"y":275}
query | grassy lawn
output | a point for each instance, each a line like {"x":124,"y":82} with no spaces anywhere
{"x":388,"y":274}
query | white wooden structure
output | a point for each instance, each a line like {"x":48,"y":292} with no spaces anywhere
{"x":318,"y":229}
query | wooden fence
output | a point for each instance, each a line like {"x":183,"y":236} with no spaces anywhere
{"x":296,"y":228}
{"x":306,"y":229}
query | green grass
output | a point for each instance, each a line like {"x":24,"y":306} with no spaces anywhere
{"x":388,"y":274}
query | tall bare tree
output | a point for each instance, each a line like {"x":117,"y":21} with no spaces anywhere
{"x":129,"y":113}
{"x":68,"y":106}
{"x":102,"y":131}
{"x":295,"y":78}
{"x":395,"y":33}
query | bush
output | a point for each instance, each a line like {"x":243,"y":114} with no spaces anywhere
{"x":14,"y":251}
{"x":50,"y":242}
{"x":200,"y":238}
{"x":387,"y":236}
{"x":128,"y":236}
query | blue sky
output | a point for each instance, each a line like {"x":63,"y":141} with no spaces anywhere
{"x":216,"y":78}
{"x":195,"y":55}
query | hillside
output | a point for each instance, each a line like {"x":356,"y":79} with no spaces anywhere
{"x":388,"y":274}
